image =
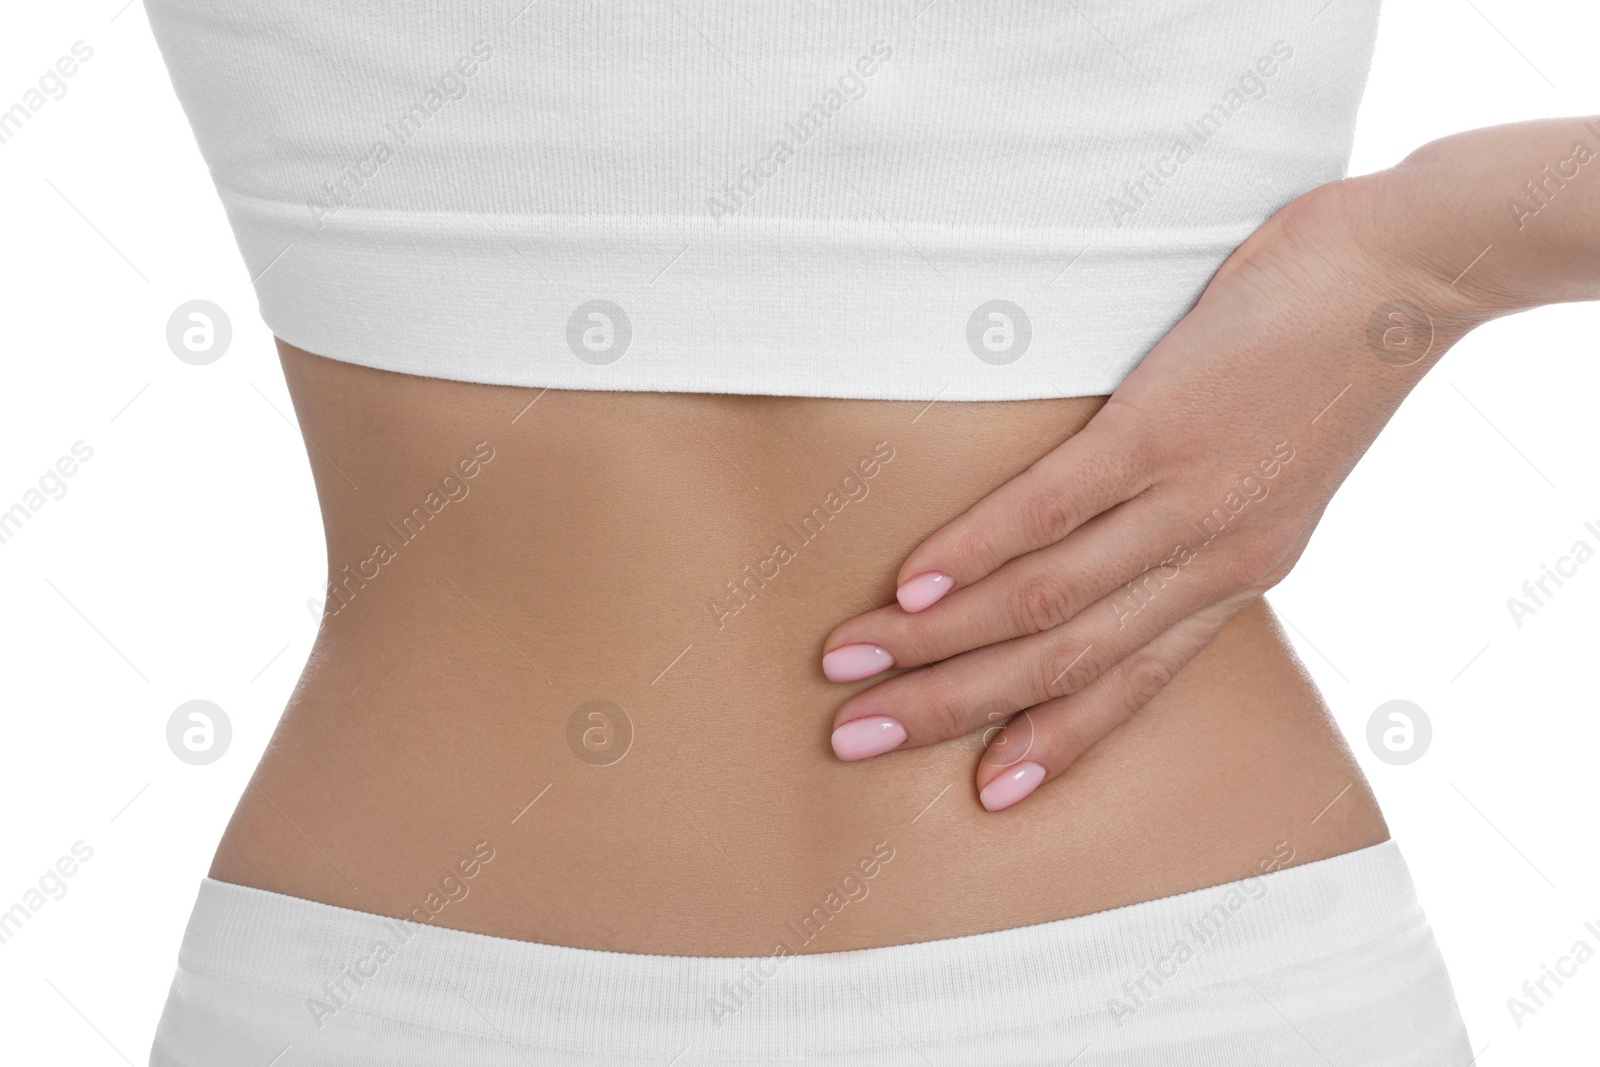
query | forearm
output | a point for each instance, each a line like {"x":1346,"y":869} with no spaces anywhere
{"x":1301,"y":347}
{"x":1501,"y":219}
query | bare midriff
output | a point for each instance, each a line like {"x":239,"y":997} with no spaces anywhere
{"x":579,"y":633}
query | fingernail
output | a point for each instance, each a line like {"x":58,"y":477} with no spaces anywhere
{"x":851,"y":663}
{"x":924,"y":590}
{"x":1011,"y":786}
{"x":871,"y":736}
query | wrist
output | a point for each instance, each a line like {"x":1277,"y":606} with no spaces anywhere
{"x":1434,"y":291}
{"x":1388,"y":273}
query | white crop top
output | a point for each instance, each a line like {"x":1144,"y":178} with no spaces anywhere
{"x":909,"y":200}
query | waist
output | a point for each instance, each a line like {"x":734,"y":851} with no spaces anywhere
{"x":586,"y":629}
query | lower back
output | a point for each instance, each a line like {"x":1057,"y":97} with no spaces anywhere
{"x":578,"y":633}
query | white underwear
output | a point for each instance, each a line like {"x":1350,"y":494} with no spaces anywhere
{"x":1327,"y":963}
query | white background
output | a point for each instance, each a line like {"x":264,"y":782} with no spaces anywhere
{"x":179,"y":561}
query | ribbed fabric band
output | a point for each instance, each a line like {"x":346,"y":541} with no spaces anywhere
{"x":1339,"y":946}
{"x":985,"y":200}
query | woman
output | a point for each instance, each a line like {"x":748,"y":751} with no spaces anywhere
{"x":671,"y":375}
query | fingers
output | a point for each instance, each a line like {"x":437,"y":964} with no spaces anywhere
{"x":1086,"y":475}
{"x":955,"y":696}
{"x":1036,"y":592}
{"x":1040,"y":743}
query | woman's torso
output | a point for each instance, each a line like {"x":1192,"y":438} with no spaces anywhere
{"x":503,"y":557}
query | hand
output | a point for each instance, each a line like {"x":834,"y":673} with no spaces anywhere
{"x":1070,"y":596}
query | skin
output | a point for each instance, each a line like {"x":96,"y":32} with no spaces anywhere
{"x":581,"y":564}
{"x":589,"y":559}
{"x":1082,"y":586}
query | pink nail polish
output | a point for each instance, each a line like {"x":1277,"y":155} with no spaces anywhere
{"x":924,"y":590}
{"x":871,"y":736}
{"x":851,"y":663}
{"x":1011,"y":786}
